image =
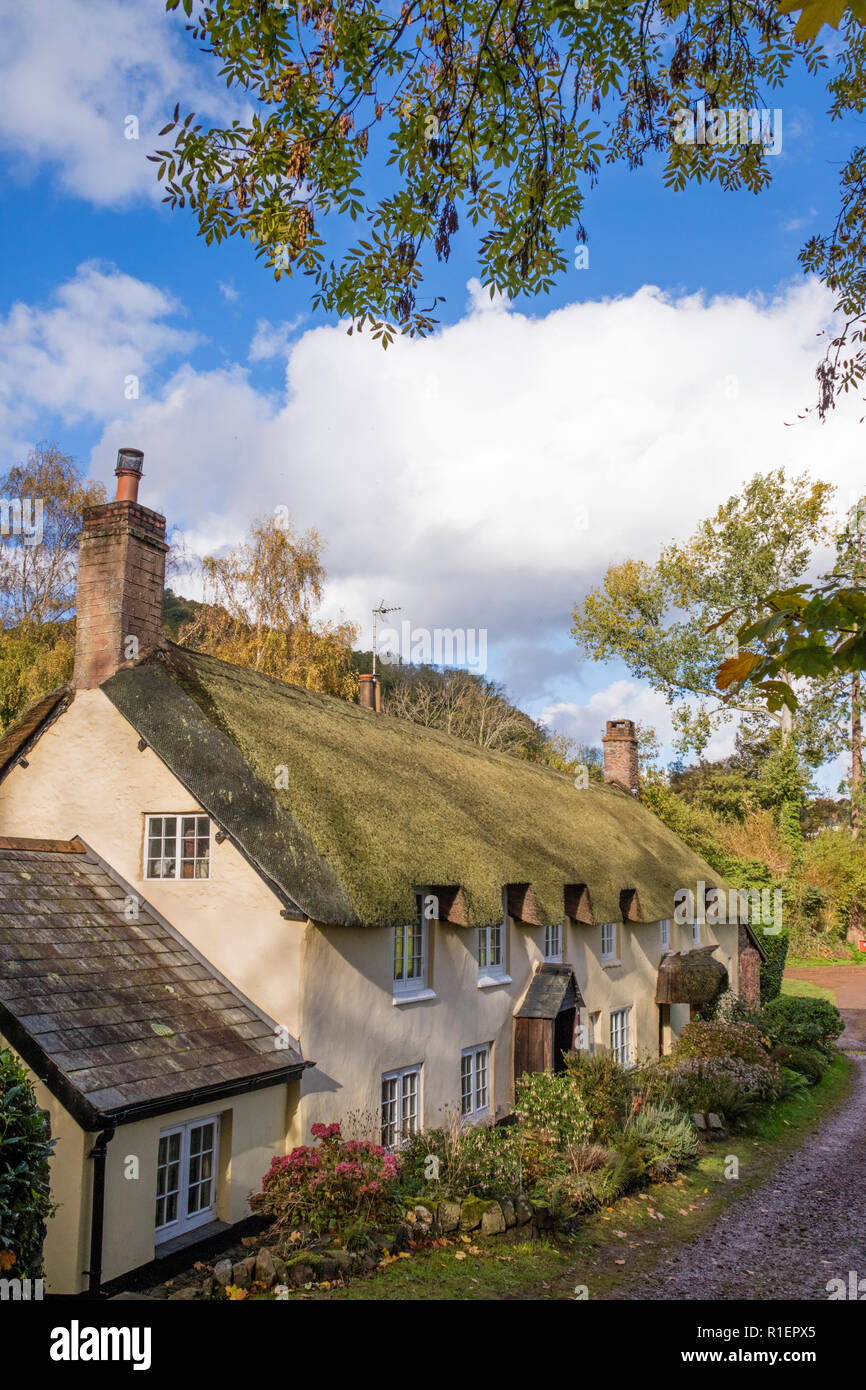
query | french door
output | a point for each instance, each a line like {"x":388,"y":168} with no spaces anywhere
{"x":186,"y":1177}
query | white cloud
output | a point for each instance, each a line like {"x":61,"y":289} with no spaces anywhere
{"x":485,"y":477}
{"x":71,"y":75}
{"x":86,"y":352}
{"x":229,"y":292}
{"x":272,"y":339}
{"x":622,"y":699}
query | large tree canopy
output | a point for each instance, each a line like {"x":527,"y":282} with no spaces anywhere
{"x":664,"y":621}
{"x":410,"y":120}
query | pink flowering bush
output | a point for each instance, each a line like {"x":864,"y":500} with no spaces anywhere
{"x":330,"y":1185}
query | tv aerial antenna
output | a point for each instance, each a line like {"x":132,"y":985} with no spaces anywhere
{"x":380,"y":613}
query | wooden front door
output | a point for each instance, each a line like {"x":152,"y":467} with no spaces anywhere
{"x":563,"y":1036}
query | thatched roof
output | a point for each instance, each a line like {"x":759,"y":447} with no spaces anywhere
{"x":377,"y":806}
{"x":693,"y":977}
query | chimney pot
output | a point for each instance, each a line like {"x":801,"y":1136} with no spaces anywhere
{"x":369,"y":694}
{"x":130,"y":465}
{"x":620,"y":754}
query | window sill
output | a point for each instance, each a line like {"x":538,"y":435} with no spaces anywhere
{"x":187,"y":1238}
{"x":491,"y":981}
{"x":475,"y":1118}
{"x":610,"y":964}
{"x":414,"y":996}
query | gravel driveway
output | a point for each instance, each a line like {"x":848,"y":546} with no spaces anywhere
{"x":807,"y":1223}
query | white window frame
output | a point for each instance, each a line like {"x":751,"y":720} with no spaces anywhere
{"x":408,"y":988}
{"x":553,"y":941}
{"x":178,"y":817}
{"x":475,"y":1081}
{"x":403,"y":1094}
{"x":185,"y":1220}
{"x":490,"y":941}
{"x":621,"y":1048}
{"x":611,"y":955}
{"x":665,"y":935}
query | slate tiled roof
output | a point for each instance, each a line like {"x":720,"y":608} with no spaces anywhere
{"x":553,"y":987}
{"x":117,"y":1016}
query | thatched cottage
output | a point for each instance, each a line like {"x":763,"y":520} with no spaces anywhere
{"x":328,"y":909}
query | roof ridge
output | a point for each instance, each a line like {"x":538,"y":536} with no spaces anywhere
{"x":34,"y":846}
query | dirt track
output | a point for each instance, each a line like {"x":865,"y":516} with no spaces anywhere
{"x":806,"y":1224}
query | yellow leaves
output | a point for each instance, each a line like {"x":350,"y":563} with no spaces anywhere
{"x":259,"y":611}
{"x":7,"y":1259}
{"x":735,"y":669}
{"x":247,"y":1240}
{"x":460,"y":1254}
{"x":814,"y":14}
{"x":234,"y":1294}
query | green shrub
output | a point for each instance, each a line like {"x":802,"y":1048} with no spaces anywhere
{"x":25,"y":1153}
{"x":589,"y":1176}
{"x":717,"y":1039}
{"x":727,"y":1085}
{"x":798,"y":1022}
{"x":773,"y":968}
{"x":807,"y":1060}
{"x":793,"y":1083}
{"x":668,"y":1136}
{"x":418,"y":1175}
{"x":488,"y":1162}
{"x":551,"y":1104}
{"x":728,"y":1007}
{"x":605,"y":1089}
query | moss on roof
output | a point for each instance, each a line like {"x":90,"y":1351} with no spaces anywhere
{"x":377,"y":806}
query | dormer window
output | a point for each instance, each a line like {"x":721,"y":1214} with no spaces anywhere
{"x":493,"y":953}
{"x":177,"y":847}
{"x":553,"y":941}
{"x":411,"y":958}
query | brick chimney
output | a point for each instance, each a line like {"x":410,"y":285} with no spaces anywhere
{"x":620,"y":754}
{"x":121,"y":577}
{"x":370,"y":693}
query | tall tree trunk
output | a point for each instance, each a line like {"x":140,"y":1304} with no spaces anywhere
{"x":856,"y":753}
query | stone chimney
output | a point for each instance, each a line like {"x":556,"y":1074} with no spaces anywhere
{"x":370,"y":693}
{"x":121,"y":577}
{"x":620,"y":754}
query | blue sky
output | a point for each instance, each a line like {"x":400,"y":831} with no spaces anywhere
{"x":485,"y":478}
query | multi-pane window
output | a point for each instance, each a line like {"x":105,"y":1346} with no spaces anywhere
{"x":410,"y":956}
{"x":553,"y":941}
{"x":178,"y":847}
{"x":475,"y":1082}
{"x":608,"y":941}
{"x":620,"y":1036}
{"x":401,"y":1106}
{"x":491,"y":953}
{"x":185,"y":1177}
{"x":665,"y":934}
